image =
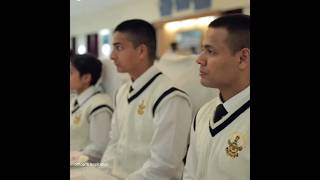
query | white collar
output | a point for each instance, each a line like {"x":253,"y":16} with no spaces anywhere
{"x":144,"y":78}
{"x":237,"y":100}
{"x":81,"y":98}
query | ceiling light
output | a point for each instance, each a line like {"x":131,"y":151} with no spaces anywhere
{"x":82,"y":49}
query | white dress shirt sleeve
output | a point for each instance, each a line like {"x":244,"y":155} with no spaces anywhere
{"x":100,"y":124}
{"x":169,"y":142}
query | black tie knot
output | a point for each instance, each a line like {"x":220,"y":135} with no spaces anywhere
{"x":75,"y":103}
{"x":219,"y":113}
{"x":131,"y":89}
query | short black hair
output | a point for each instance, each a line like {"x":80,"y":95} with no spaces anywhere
{"x":140,"y":32}
{"x":238,"y":27}
{"x":87,"y":64}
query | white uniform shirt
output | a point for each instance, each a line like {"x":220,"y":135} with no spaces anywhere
{"x":225,"y":155}
{"x":150,"y":129}
{"x":90,"y":123}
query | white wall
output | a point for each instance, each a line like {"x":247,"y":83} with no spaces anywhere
{"x":109,"y":18}
{"x":230,"y":4}
{"x":144,"y":9}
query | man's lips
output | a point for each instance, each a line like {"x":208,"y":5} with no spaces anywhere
{"x":202,"y":73}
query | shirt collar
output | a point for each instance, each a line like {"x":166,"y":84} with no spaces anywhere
{"x":237,"y":101}
{"x":144,"y":78}
{"x":86,"y":94}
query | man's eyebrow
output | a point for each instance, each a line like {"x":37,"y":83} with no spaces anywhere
{"x":207,"y":46}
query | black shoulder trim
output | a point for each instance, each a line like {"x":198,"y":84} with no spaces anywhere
{"x":99,"y":107}
{"x":194,"y":121}
{"x":167,"y":92}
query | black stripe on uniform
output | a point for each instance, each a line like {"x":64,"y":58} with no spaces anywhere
{"x":76,"y":109}
{"x":143,"y":88}
{"x":73,"y":111}
{"x":194,"y":122}
{"x":163,"y":96}
{"x":229,"y":120}
{"x":99,"y":107}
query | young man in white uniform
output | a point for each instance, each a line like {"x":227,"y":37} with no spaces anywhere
{"x":220,"y":134}
{"x":151,"y":122}
{"x":90,"y":110}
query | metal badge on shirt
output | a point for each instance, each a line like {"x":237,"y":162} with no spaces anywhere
{"x":141,"y":108}
{"x":76,"y":119}
{"x":236,"y":143}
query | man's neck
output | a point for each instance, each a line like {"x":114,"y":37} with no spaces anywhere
{"x":139,"y":71}
{"x":227,"y":93}
{"x":81,"y":90}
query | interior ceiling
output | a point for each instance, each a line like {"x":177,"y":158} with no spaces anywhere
{"x":86,"y":7}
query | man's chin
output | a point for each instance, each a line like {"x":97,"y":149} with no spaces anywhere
{"x":120,"y":70}
{"x":205,"y":83}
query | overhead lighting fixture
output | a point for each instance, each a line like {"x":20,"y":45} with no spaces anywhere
{"x":82,"y":49}
{"x":172,"y":26}
{"x":205,"y":21}
{"x":188,"y":23}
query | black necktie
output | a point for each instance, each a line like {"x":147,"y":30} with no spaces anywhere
{"x":75,"y":103}
{"x":131,"y":89}
{"x":219,"y":113}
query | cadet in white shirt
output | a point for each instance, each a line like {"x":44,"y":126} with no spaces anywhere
{"x":220,"y":134}
{"x":152,"y":118}
{"x":90,"y":110}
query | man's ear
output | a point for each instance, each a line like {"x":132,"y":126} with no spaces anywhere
{"x":86,"y":78}
{"x":143,"y":50}
{"x":244,"y":58}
